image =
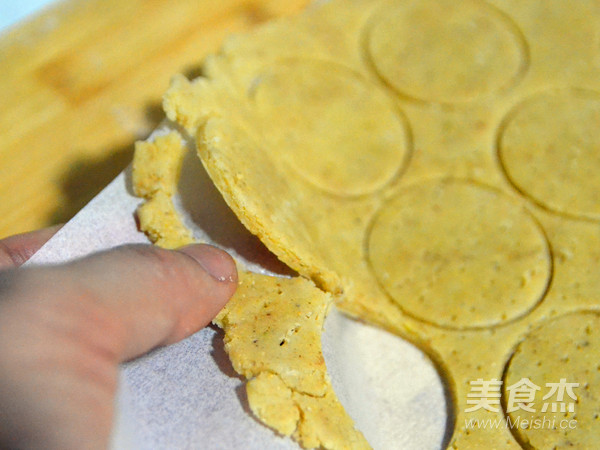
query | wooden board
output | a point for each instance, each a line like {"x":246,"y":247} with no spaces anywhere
{"x":83,"y":80}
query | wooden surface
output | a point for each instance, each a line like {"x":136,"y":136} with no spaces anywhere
{"x":82,"y":81}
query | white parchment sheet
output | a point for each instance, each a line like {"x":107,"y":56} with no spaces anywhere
{"x":187,"y":396}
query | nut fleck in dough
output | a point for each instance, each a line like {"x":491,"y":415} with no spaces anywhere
{"x":456,"y":205}
{"x":273,"y":337}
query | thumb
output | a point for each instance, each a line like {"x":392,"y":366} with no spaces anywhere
{"x":64,"y":328}
{"x":130,"y":299}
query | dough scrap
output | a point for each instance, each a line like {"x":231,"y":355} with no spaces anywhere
{"x":273,"y":337}
{"x":156,"y":170}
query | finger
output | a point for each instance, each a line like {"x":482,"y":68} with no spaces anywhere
{"x":17,"y":249}
{"x":63,"y":329}
{"x":131,"y":299}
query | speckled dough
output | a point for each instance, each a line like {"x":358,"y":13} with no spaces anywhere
{"x":560,"y":348}
{"x":434,"y":165}
{"x":273,"y":337}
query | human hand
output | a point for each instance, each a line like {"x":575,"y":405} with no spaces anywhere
{"x":64,"y":330}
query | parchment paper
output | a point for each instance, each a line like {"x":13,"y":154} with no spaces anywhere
{"x":187,"y":396}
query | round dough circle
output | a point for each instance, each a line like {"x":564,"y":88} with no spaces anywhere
{"x":495,"y":269}
{"x":445,"y":50}
{"x":550,"y":150}
{"x":564,"y":348}
{"x":338,"y":131}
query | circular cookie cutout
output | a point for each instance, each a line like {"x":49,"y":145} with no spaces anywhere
{"x":561,"y":355}
{"x":549,"y":148}
{"x":445,"y":50}
{"x":459,"y":255}
{"x":337,"y":130}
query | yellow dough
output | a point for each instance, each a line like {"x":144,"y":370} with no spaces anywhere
{"x":273,"y":337}
{"x":434,"y":165}
{"x":542,"y":356}
{"x":156,"y":170}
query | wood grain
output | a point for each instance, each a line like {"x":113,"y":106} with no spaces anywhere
{"x":83,"y":80}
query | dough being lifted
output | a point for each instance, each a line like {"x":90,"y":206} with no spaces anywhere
{"x":272,"y":325}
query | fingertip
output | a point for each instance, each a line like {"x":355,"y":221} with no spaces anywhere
{"x":219,"y":267}
{"x":216,"y":262}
